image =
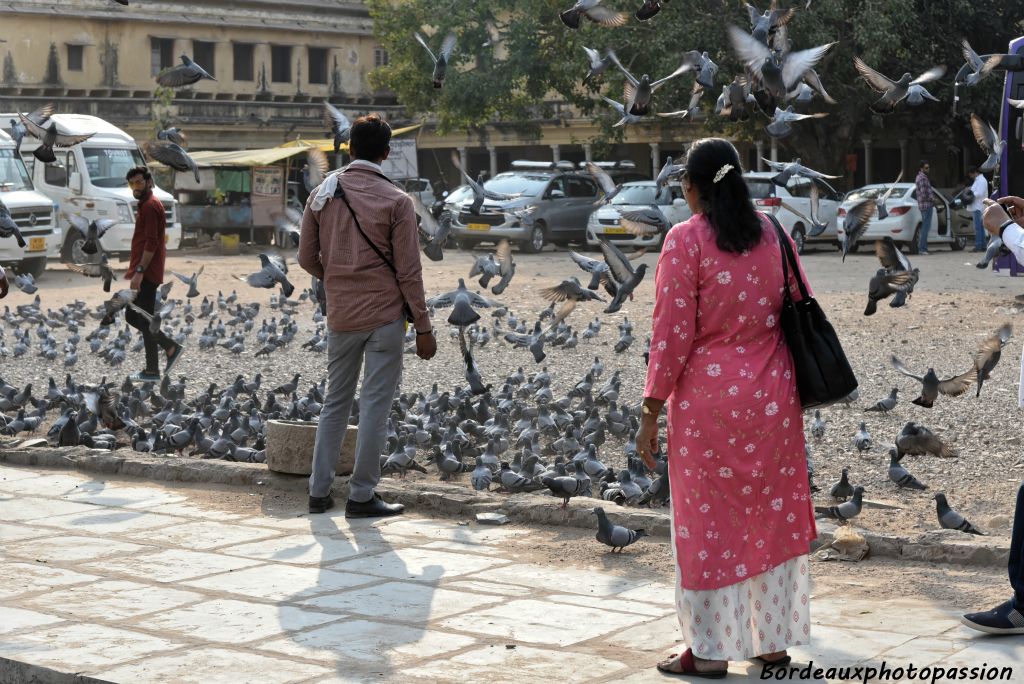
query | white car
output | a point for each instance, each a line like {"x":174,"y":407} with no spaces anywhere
{"x":903,"y":223}
{"x":605,"y":220}
{"x":781,"y":203}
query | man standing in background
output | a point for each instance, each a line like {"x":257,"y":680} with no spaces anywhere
{"x":925,"y":202}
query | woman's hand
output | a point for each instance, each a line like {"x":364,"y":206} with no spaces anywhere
{"x":647,"y":439}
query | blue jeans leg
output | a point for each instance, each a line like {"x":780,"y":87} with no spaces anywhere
{"x":926,"y":225}
{"x":1016,"y":567}
{"x":979,"y":231}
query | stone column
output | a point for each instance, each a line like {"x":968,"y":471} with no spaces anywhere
{"x":759,"y":144}
{"x":867,"y":161}
{"x":492,"y":151}
{"x":903,"y":155}
{"x":775,"y":150}
{"x":655,"y":159}
{"x":587,"y":152}
{"x":556,"y":153}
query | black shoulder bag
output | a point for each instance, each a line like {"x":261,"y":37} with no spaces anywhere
{"x":340,"y":193}
{"x":823,"y":374}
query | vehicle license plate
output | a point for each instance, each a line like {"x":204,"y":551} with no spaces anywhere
{"x":478,"y":226}
{"x":37,"y":244}
{"x":614,"y":230}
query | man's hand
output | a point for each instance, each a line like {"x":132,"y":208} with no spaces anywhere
{"x":136,"y":281}
{"x":4,"y":286}
{"x":994,"y":217}
{"x":426,"y":346}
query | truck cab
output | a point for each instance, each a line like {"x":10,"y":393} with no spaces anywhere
{"x":32,"y":211}
{"x":89,"y":180}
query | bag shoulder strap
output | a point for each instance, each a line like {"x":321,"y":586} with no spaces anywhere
{"x":790,"y":257}
{"x":340,"y":192}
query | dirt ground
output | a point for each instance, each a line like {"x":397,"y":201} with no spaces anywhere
{"x":955,"y":307}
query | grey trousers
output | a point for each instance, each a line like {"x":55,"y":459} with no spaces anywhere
{"x":382,"y":351}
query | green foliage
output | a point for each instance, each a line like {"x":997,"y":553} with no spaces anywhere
{"x":514,"y":62}
{"x":161,"y":109}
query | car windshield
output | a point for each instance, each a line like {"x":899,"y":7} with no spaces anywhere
{"x":641,"y":194}
{"x":528,"y":184}
{"x":759,"y":189}
{"x":107,"y":166}
{"x":463,"y":192}
{"x":13,"y":174}
{"x":867,"y":193}
{"x":415,"y":185}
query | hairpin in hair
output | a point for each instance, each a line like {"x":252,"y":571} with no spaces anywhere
{"x":722,"y":171}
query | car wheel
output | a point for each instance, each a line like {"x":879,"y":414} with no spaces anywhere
{"x":915,"y":242}
{"x":537,"y":239}
{"x":799,"y":238}
{"x":71,"y":251}
{"x":464,"y":244}
{"x":959,"y":243}
{"x":34,"y":266}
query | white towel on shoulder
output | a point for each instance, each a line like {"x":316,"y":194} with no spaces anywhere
{"x":325,"y":192}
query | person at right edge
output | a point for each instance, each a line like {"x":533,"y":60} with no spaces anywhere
{"x":1007,"y":617}
{"x":367,"y":308}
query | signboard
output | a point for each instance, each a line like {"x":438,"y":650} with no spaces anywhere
{"x":267,"y":194}
{"x":402,"y":163}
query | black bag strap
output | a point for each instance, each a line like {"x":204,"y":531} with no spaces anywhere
{"x":788,"y":256}
{"x":340,"y":193}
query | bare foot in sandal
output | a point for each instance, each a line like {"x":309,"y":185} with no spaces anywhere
{"x":688,"y":664}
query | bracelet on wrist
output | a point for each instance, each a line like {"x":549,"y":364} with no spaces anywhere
{"x":1002,"y":228}
{"x":425,"y":332}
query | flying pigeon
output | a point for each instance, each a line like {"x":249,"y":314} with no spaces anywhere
{"x":8,"y":227}
{"x":626,"y":277}
{"x":916,"y":439}
{"x":274,"y":271}
{"x":441,"y":59}
{"x":987,"y":356}
{"x":595,"y":12}
{"x":186,"y":73}
{"x":989,"y":142}
{"x":49,"y":137}
{"x":931,"y":386}
{"x":341,"y":127}
{"x":170,"y":154}
{"x":893,"y":92}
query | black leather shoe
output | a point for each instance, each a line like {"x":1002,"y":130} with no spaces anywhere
{"x":319,"y":504}
{"x":374,"y":508}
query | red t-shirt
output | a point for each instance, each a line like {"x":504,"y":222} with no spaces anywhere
{"x":150,"y":226}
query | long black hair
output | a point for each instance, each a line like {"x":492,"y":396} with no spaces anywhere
{"x":724,"y":194}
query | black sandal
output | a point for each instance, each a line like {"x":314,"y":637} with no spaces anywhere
{"x":689,"y":668}
{"x":784,"y":660}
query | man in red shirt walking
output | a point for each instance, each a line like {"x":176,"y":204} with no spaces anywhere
{"x":146,"y":270}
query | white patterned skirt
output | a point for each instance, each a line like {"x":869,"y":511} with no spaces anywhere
{"x":764,"y":614}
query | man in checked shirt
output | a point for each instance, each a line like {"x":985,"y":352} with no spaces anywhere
{"x":359,"y":236}
{"x":925,"y":202}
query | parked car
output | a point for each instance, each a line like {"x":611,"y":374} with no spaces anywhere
{"x":604,"y":221}
{"x":770,"y":198}
{"x":420,"y":186}
{"x":903,"y":224}
{"x":549,"y":202}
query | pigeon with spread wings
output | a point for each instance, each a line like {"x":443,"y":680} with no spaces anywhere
{"x":171,"y":155}
{"x":186,"y":73}
{"x":989,"y":142}
{"x":441,"y":59}
{"x":595,"y":12}
{"x":341,"y":127}
{"x":626,"y":277}
{"x":893,"y":92}
{"x":463,"y":303}
{"x":91,"y":231}
{"x":856,"y":223}
{"x":932,"y":387}
{"x":480,"y":193}
{"x":637,"y":92}
{"x":987,"y":356}
{"x":599,"y":272}
{"x":50,"y":136}
{"x":433,"y":232}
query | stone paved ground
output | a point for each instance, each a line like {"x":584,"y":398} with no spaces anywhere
{"x":134,"y":582}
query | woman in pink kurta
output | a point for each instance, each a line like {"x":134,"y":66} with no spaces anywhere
{"x":741,"y":501}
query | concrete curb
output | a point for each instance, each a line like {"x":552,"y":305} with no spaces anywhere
{"x":938,"y":546}
{"x":17,"y":672}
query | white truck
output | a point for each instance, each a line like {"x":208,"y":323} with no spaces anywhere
{"x":89,"y":180}
{"x":33,"y":212}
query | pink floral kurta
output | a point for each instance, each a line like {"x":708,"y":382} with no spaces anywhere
{"x":740,"y":497}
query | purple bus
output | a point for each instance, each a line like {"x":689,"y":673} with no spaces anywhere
{"x":1011,"y":129}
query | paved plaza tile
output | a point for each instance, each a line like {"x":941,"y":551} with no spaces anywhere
{"x":280,"y":582}
{"x":419,"y":564}
{"x":232,"y":622}
{"x":214,"y":666}
{"x":307,"y":549}
{"x":112,"y":600}
{"x":403,"y":601}
{"x":25,"y":578}
{"x":70,"y":548}
{"x":204,"y":534}
{"x":172,"y":565}
{"x":15,"y":619}
{"x":81,"y":647}
{"x":495,"y":663}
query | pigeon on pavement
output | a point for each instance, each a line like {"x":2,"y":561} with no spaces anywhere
{"x":916,"y":440}
{"x":615,"y":536}
{"x":846,"y":510}
{"x":862,"y":438}
{"x":842,"y":490}
{"x":950,"y":519}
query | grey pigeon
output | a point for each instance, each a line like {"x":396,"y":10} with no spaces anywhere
{"x":596,"y":64}
{"x":174,"y":135}
{"x":272,"y":273}
{"x":846,"y":510}
{"x":931,"y":386}
{"x":648,"y":221}
{"x":893,"y":92}
{"x":855,"y":224}
{"x":192,"y":281}
{"x":916,"y":439}
{"x":818,"y":427}
{"x":515,"y":483}
{"x":341,"y":127}
{"x":950,"y":519}
{"x":615,"y":536}
{"x":862,"y":438}
{"x":887,"y":404}
{"x":979,"y":68}
{"x":625,"y":116}
{"x":842,"y":490}
{"x":441,"y":59}
{"x":626,"y":277}
{"x":989,"y":142}
{"x":609,"y":188}
{"x":433,"y":232}
{"x":763,"y":25}
{"x":533,"y":341}
{"x":463,"y":303}
{"x":186,"y":73}
{"x":26,"y":283}
{"x":988,"y":354}
{"x":8,"y":227}
{"x":18,"y":130}
{"x":637,"y":93}
{"x":900,"y":475}
{"x":50,"y":136}
{"x":594,"y":11}
{"x":170,"y":154}
{"x":995,"y":247}
{"x":788,"y":170}
{"x":599,"y":272}
{"x":92,"y":231}
{"x":782,"y":120}
{"x":481,"y":476}
{"x":99,"y":269}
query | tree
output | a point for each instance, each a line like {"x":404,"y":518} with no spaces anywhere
{"x":515,"y":61}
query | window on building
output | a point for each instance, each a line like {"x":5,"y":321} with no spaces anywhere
{"x":281,"y":63}
{"x":380,"y":57}
{"x":243,"y":58}
{"x":318,"y":65}
{"x":203,"y":54}
{"x":161,"y":54}
{"x":75,"y":57}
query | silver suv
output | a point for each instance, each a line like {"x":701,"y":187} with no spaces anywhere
{"x":550,"y":202}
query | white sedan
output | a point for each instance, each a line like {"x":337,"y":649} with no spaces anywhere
{"x":605,"y":221}
{"x":903,"y":222}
